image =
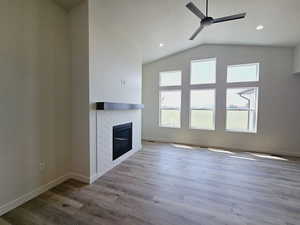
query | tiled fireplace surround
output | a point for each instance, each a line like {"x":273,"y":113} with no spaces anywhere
{"x":105,"y":122}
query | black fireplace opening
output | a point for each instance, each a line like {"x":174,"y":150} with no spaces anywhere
{"x":122,"y":139}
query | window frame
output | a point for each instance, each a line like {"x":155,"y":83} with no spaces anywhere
{"x":241,"y":65}
{"x":203,"y":60}
{"x":244,"y":84}
{"x":169,"y":89}
{"x":203,"y":86}
{"x":190,"y":109}
{"x":256,"y":113}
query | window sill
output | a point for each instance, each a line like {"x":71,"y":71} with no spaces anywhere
{"x":201,"y":129}
{"x":169,"y":127}
{"x":241,"y":131}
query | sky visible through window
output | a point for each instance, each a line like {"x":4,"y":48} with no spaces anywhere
{"x":172,"y":78}
{"x":243,"y":73}
{"x":237,"y":97}
{"x":202,"y":99}
{"x":202,"y":109}
{"x":241,"y":109}
{"x":203,"y":71}
{"x":241,"y":102}
{"x":170,"y":99}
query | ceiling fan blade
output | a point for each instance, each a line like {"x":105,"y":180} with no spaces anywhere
{"x":191,"y":6}
{"x":196,"y":32}
{"x":229,"y":18}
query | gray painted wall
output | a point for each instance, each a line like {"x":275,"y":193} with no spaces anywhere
{"x":297,"y":60}
{"x":48,"y":94}
{"x":278,"y":115}
{"x":35,"y":94}
{"x":79,"y":28}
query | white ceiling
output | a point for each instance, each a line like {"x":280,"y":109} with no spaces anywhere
{"x":150,"y":22}
{"x":147,"y":23}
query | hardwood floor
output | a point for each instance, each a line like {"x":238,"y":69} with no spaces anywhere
{"x":176,"y":185}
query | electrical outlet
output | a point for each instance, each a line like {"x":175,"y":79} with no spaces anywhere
{"x":42,"y":166}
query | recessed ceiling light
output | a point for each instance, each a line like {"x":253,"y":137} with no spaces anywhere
{"x":161,"y":45}
{"x":260,"y":27}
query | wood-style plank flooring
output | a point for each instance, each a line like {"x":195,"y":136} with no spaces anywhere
{"x":175,"y":185}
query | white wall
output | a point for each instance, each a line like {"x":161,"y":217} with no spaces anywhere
{"x":79,"y":28}
{"x":35,"y":96}
{"x":54,"y":67}
{"x":278,"y":116}
{"x":297,"y":60}
{"x":113,"y":58}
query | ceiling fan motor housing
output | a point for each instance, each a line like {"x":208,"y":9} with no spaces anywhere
{"x":207,"y":21}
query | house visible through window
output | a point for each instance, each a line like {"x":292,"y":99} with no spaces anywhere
{"x":242,"y":109}
{"x":242,"y":93}
{"x":170,"y":99}
{"x":241,"y":101}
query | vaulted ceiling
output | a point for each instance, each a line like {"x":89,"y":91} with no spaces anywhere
{"x":147,"y":23}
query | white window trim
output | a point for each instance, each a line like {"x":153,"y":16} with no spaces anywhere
{"x":241,"y":65}
{"x":256,"y":125}
{"x":203,"y":60}
{"x":169,"y":88}
{"x":190,"y":110}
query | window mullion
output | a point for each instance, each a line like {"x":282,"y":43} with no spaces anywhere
{"x":170,"y":88}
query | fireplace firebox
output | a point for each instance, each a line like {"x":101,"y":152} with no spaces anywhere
{"x":122,"y":139}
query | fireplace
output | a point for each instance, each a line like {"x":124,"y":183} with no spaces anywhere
{"x":122,"y":139}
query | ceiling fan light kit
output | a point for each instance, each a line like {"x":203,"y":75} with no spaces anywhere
{"x":207,"y":20}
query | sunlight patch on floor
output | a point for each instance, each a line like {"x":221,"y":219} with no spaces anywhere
{"x":220,"y":151}
{"x":183,"y":146}
{"x":265,"y":156}
{"x":242,"y":157}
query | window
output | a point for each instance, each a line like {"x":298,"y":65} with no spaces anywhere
{"x":202,"y":99}
{"x":203,"y":71}
{"x":242,"y":95}
{"x":202,"y":112}
{"x":170,"y":103}
{"x":172,"y":78}
{"x":243,"y":73}
{"x":241,"y":101}
{"x":241,"y":109}
{"x":170,"y":99}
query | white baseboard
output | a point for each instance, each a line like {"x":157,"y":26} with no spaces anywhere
{"x":25,"y":198}
{"x":33,"y":194}
{"x":40,"y":190}
{"x":96,"y":176}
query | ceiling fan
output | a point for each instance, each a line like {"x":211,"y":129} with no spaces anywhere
{"x":207,"y":20}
